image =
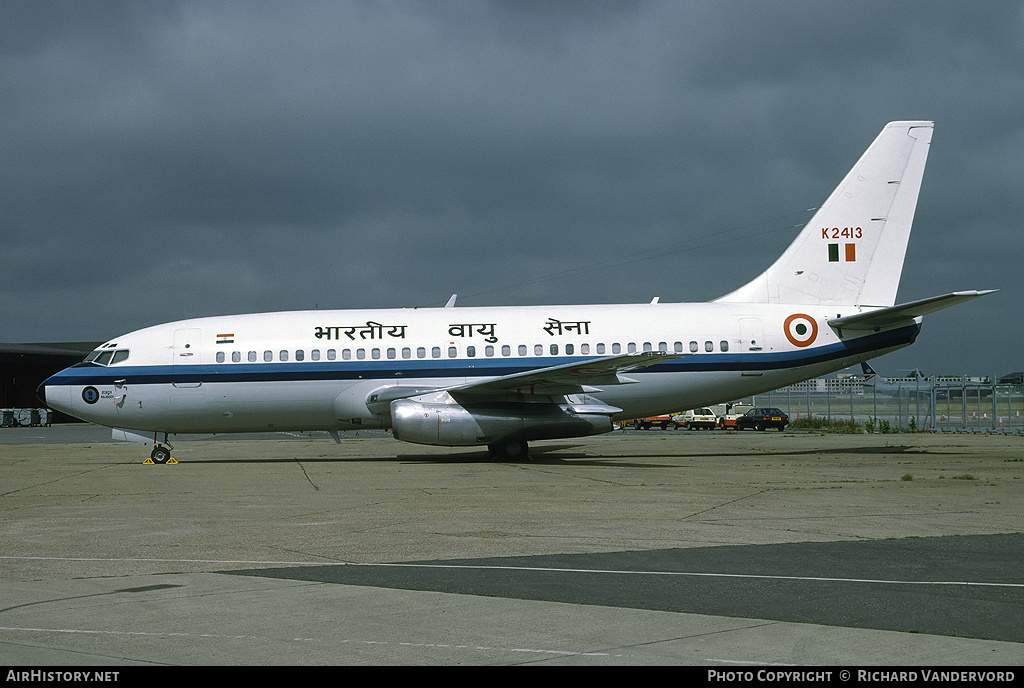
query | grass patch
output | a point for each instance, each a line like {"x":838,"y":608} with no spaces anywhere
{"x":826,"y":425}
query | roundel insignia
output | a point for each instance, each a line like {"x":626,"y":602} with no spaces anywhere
{"x":801,"y":330}
{"x":90,"y":395}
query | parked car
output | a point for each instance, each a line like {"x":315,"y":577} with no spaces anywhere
{"x":762,"y":418}
{"x":663,"y":422}
{"x":696,"y":419}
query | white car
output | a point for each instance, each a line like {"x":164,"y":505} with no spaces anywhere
{"x":697,"y":419}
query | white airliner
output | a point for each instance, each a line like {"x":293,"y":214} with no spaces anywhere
{"x":504,"y":376}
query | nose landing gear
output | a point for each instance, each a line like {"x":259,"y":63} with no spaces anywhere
{"x":161,"y":453}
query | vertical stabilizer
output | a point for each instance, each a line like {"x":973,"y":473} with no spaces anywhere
{"x":851,"y":252}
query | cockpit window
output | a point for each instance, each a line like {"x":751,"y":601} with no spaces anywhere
{"x":107,"y":357}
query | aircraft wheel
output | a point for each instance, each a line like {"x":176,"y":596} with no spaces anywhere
{"x":512,"y":450}
{"x":160,"y":454}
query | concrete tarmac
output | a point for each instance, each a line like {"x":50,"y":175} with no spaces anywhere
{"x":662,"y":547}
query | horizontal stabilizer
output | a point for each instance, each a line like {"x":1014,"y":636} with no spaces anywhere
{"x":904,"y":313}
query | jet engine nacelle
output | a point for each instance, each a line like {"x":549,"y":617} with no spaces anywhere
{"x":453,"y":425}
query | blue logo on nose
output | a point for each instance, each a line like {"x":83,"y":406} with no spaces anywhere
{"x":90,"y":395}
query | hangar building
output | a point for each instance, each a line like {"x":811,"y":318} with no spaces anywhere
{"x":24,"y":366}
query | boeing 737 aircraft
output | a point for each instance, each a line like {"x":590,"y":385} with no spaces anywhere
{"x":914,"y":384}
{"x":504,"y":376}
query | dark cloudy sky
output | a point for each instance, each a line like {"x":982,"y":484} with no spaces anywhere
{"x":164,"y":160}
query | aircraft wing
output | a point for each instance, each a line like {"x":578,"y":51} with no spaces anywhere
{"x":904,"y":313}
{"x":570,"y":378}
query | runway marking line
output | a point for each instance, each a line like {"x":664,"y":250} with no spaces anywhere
{"x":439,"y":646}
{"x":691,"y":574}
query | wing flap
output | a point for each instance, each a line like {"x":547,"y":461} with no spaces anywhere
{"x":570,"y":378}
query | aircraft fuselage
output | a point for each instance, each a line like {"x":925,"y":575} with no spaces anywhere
{"x":320,"y":370}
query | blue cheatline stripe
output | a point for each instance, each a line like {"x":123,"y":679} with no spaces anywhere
{"x":399,"y":369}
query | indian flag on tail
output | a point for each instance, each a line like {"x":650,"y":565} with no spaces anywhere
{"x":849,"y":253}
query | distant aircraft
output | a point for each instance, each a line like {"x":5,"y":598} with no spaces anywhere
{"x":505,"y":376}
{"x":915,"y":383}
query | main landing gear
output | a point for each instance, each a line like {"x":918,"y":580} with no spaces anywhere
{"x":510,"y":450}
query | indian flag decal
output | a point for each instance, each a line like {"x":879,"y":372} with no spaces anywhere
{"x":226,"y":339}
{"x":801,"y":330}
{"x":849,"y":253}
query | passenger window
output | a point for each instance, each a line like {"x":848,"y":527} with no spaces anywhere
{"x":346,"y":354}
{"x":723,"y":345}
{"x":435,"y":352}
{"x":236,"y":356}
{"x":584,"y":348}
{"x":375,"y":353}
{"x":506,"y":350}
{"x":252,"y":357}
{"x":663,"y":346}
{"x":709,"y":346}
{"x":315,"y":354}
{"x":300,"y":355}
{"x":471,"y":351}
{"x":360,"y":354}
{"x":332,"y":355}
{"x":421,"y":352}
{"x":522,"y":349}
{"x":268,"y":356}
{"x":284,"y":355}
{"x":631,"y":348}
{"x":616,"y":348}
{"x":220,"y":357}
{"x":488,"y":351}
{"x":600,"y":348}
{"x":452,"y":352}
{"x":648,"y":347}
{"x":678,"y":347}
{"x":569,"y":349}
{"x":554,"y":349}
{"x":392,"y":353}
{"x":538,"y":349}
{"x":406,"y":352}
{"x":693,"y":347}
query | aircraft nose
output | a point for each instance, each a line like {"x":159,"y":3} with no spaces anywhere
{"x":54,"y":396}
